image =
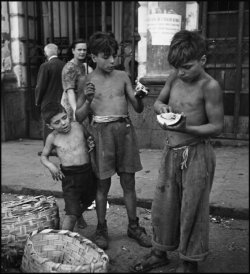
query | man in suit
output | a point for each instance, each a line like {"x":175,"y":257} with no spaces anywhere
{"x":49,"y":82}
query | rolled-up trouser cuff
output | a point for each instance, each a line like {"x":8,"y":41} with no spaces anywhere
{"x":163,"y":247}
{"x":194,"y":258}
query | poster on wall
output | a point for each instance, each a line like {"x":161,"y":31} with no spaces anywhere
{"x":163,"y":26}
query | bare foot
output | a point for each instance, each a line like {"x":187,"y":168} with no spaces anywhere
{"x":152,"y":260}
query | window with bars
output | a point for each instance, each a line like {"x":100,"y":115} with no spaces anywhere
{"x":91,"y":18}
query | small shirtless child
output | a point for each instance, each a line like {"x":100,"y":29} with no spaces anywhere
{"x":71,"y":142}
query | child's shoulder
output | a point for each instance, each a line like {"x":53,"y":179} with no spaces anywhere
{"x":52,"y":136}
{"x":120,"y":74}
{"x":210,"y":82}
{"x":76,"y":125}
{"x":172,"y":76}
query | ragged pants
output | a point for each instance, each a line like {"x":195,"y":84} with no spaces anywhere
{"x":180,"y":209}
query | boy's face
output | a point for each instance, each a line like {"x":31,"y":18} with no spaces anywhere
{"x":80,"y":51}
{"x":60,"y":123}
{"x":190,"y":70}
{"x":105,"y":63}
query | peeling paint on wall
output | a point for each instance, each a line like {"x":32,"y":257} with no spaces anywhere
{"x":6,"y":63}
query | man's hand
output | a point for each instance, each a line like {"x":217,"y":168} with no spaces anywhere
{"x":89,"y":91}
{"x":56,"y":172}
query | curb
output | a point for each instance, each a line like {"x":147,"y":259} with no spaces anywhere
{"x":216,"y":210}
{"x":220,"y":142}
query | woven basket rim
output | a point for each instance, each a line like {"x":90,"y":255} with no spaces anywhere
{"x":26,"y":200}
{"x":47,"y":263}
{"x":69,"y":233}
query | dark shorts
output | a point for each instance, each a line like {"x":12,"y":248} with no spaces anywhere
{"x":79,"y":188}
{"x":116,"y":148}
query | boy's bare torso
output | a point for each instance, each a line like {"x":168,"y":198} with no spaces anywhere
{"x":72,"y":147}
{"x":188,"y":98}
{"x":110,"y":98}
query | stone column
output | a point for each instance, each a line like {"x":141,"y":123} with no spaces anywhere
{"x":142,"y":44}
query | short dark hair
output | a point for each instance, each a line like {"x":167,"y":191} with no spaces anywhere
{"x":186,"y":46}
{"x":103,"y":42}
{"x":50,"y":110}
{"x":78,"y":41}
{"x":70,"y":54}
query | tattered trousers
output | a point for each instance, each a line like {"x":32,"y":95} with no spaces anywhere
{"x":180,"y":209}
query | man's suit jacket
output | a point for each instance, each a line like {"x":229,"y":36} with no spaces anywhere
{"x":49,"y":82}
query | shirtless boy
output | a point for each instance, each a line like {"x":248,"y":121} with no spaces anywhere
{"x":180,"y":209}
{"x":69,"y":140}
{"x":106,"y":94}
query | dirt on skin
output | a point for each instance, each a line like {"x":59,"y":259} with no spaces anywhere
{"x":229,"y":243}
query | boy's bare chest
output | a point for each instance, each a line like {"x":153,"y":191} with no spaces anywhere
{"x":184,"y":97}
{"x":70,"y":142}
{"x":109,"y":88}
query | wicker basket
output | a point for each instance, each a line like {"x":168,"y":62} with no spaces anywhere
{"x":21,"y":217}
{"x":62,"y":251}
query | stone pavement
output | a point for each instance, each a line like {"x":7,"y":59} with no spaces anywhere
{"x":22,"y":173}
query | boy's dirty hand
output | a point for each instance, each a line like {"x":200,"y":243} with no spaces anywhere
{"x":91,"y":143}
{"x":165,"y":108}
{"x":56,"y":173}
{"x":89,"y":91}
{"x":140,"y":90}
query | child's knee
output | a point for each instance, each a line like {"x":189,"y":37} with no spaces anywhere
{"x":103,"y":187}
{"x":128,"y":188}
{"x":128,"y":183}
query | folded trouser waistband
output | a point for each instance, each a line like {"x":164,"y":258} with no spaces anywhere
{"x":71,"y":170}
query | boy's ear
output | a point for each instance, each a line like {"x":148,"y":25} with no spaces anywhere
{"x":49,"y":126}
{"x":93,"y":57}
{"x":203,"y":60}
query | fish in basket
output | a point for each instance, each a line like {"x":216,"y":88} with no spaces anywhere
{"x":19,"y":218}
{"x":62,"y":251}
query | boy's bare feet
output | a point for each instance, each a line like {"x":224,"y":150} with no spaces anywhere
{"x":154,"y":259}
